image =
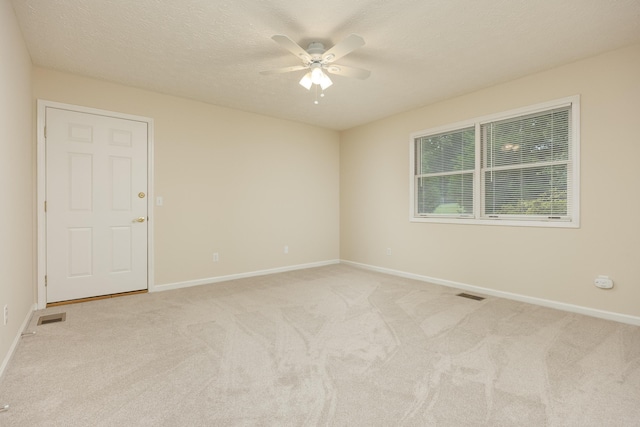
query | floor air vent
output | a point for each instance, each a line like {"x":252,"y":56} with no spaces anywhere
{"x":465,"y":295}
{"x":52,"y":318}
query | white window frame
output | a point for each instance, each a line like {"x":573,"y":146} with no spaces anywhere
{"x":573,"y":220}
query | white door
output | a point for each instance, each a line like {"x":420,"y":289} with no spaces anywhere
{"x":96,"y":205}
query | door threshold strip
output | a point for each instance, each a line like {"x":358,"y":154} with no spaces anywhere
{"x":76,"y":301}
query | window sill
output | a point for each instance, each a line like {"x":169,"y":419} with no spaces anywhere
{"x":498,"y":222}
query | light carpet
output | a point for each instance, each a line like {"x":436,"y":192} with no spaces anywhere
{"x":335,"y":345}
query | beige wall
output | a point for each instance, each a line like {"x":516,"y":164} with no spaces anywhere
{"x":554,"y":264}
{"x":16,"y":180}
{"x":236,"y":183}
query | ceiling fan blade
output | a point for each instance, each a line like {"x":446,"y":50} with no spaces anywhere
{"x":349,"y":44}
{"x":284,"y":70}
{"x":291,"y":46}
{"x":342,"y":70}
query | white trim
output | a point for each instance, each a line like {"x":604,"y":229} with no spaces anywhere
{"x":593,"y":312}
{"x":14,"y":344}
{"x":41,"y":192}
{"x":210,"y":280}
{"x":575,"y":161}
{"x":150,"y":204}
{"x":495,"y":221}
{"x":41,"y":187}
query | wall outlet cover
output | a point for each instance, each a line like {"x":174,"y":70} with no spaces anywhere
{"x":603,"y":282}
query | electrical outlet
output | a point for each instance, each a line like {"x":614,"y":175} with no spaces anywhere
{"x":6,"y":314}
{"x":603,"y":282}
{"x":388,"y":251}
{"x":216,"y":257}
{"x":286,"y":249}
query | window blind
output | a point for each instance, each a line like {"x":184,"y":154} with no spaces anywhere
{"x":525,"y":165}
{"x":444,"y":173}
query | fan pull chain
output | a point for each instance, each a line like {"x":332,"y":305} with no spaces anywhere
{"x":316,"y":101}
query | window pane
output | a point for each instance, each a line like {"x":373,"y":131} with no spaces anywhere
{"x":528,"y":191}
{"x":543,"y":137}
{"x":445,"y":195}
{"x":447,"y":152}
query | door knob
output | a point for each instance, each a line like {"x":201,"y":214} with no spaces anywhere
{"x":139,"y":219}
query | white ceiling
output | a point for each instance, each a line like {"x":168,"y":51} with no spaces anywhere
{"x":418,"y":51}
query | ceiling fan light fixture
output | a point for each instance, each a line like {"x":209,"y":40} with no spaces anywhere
{"x":306,"y":82}
{"x":317,"y":75}
{"x":325,"y":82}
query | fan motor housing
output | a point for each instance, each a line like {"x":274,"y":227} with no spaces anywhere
{"x":316,"y":49}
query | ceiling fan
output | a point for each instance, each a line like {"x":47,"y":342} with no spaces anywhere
{"x":317,"y":60}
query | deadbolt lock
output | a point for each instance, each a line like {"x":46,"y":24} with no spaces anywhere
{"x":141,"y":195}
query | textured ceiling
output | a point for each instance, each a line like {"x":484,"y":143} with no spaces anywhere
{"x":418,"y":51}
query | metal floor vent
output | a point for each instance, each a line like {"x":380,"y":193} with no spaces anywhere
{"x":52,"y":318}
{"x":474,"y":297}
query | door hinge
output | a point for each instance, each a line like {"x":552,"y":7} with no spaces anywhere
{"x":45,"y":205}
{"x":45,"y":280}
{"x":45,"y":132}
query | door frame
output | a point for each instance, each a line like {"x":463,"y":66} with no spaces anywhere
{"x":41,"y":184}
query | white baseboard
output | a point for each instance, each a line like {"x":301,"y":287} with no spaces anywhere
{"x":609,"y":315}
{"x":12,"y":349}
{"x":209,"y":280}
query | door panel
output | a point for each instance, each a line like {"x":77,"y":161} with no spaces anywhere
{"x":80,"y":182}
{"x":80,"y":255}
{"x":120,"y":180}
{"x":121,"y":254}
{"x":96,"y":167}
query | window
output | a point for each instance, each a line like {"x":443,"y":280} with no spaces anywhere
{"x":514,"y":168}
{"x":445,"y":167}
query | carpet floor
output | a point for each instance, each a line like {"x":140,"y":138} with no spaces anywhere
{"x":330,"y":346}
